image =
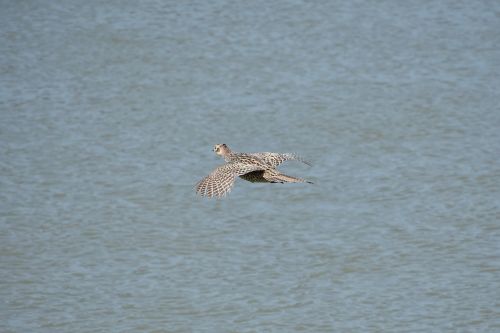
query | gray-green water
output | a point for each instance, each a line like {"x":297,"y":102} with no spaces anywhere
{"x":109,"y":111}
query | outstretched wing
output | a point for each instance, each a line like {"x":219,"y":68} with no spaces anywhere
{"x":220,"y":181}
{"x":275,"y":159}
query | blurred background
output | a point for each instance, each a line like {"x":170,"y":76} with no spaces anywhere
{"x":109,"y":112}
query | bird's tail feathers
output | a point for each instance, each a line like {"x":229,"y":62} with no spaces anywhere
{"x":282,"y":178}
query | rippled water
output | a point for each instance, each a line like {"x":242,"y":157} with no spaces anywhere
{"x":109,"y":112}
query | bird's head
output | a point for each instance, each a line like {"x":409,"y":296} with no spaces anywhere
{"x":222,"y":149}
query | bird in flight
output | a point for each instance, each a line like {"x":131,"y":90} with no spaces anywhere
{"x":252,"y":167}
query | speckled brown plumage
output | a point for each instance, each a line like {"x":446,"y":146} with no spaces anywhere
{"x":254,"y":167}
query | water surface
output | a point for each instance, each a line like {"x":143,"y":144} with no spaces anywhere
{"x":108,"y":116}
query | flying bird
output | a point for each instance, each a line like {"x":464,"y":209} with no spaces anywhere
{"x":252,"y":167}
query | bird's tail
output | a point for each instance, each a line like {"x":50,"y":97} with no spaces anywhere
{"x":281,"y":178}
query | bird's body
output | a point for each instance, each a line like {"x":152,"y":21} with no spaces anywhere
{"x":253,"y":167}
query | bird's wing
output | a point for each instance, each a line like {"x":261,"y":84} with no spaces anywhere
{"x":275,"y":159}
{"x":220,"y":181}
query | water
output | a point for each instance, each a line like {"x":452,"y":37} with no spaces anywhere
{"x":109,"y":112}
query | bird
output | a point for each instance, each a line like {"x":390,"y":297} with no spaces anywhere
{"x":252,"y":167}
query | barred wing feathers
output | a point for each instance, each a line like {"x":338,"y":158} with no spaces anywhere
{"x":275,"y":159}
{"x":220,"y":181}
